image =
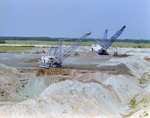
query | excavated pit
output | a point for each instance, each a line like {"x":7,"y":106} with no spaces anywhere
{"x":30,"y":82}
{"x":55,"y":75}
{"x":106,"y":87}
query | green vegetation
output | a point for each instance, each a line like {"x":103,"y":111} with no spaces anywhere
{"x":45,"y":42}
{"x":2,"y":41}
{"x":144,"y":100}
{"x":70,"y":39}
{"x":133,"y":101}
{"x":143,"y":81}
{"x":129,"y":114}
{"x":144,"y":78}
{"x":31,"y":42}
{"x":132,"y":113}
{"x":115,"y":44}
{"x":130,"y":44}
{"x":138,"y":109}
{"x":144,"y":114}
{"x":44,"y":39}
{"x":67,"y":43}
{"x":16,"y":48}
{"x":121,"y":114}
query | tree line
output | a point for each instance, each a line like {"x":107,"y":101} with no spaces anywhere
{"x":2,"y":39}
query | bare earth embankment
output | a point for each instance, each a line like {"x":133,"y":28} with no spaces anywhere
{"x":90,"y":86}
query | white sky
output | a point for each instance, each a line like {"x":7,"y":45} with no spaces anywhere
{"x":73,"y":18}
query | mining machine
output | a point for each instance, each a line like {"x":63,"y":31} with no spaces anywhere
{"x":101,"y":48}
{"x":56,"y":55}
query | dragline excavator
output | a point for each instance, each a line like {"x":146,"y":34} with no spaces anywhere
{"x":56,"y":55}
{"x":101,"y":48}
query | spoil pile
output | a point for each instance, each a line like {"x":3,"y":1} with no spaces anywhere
{"x":117,"y":69}
{"x":120,"y":55}
{"x":90,"y":55}
{"x":123,"y":87}
{"x":67,"y":99}
{"x":136,"y":64}
{"x":96,"y":77}
{"x":147,"y":59}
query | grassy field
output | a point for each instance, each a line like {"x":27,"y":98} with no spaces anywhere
{"x":30,"y":42}
{"x":115,"y":44}
{"x":16,"y":48}
{"x":132,"y":45}
{"x":44,"y":42}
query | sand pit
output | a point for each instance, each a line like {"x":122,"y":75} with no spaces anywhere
{"x":107,"y":86}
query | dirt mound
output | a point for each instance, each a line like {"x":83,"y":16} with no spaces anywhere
{"x":45,"y":77}
{"x":65,"y":100}
{"x":125,"y":88}
{"x":147,"y":59}
{"x":52,"y":71}
{"x":97,"y":77}
{"x":90,"y":55}
{"x":120,"y":55}
{"x":118,"y":69}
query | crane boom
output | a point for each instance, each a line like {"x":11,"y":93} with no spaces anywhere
{"x":113,"y":38}
{"x":104,"y":38}
{"x":72,"y":48}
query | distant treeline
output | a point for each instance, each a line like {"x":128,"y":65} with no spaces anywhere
{"x":2,"y":39}
{"x":43,"y":39}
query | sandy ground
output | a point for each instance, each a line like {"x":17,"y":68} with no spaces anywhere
{"x":17,"y":60}
{"x":89,"y":86}
{"x":86,"y":60}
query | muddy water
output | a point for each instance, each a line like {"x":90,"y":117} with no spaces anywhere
{"x":40,"y":79}
{"x":31,"y":91}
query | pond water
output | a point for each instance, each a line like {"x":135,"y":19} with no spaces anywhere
{"x":31,"y":91}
